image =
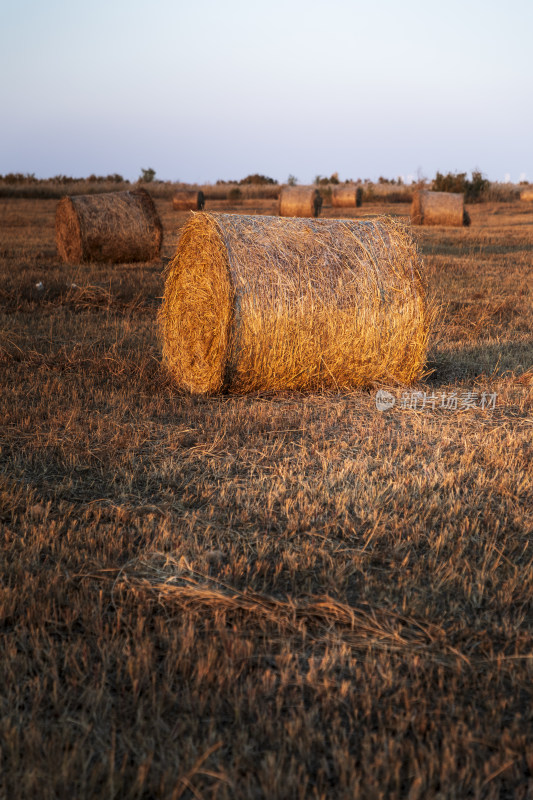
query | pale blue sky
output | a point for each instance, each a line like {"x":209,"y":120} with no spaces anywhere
{"x":206,"y":90}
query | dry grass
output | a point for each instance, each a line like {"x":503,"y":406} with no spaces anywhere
{"x":263,"y":304}
{"x":262,"y":596}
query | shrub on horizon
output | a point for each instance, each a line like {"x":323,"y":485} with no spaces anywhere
{"x":256,"y":180}
{"x":458,"y":182}
{"x":147,"y":175}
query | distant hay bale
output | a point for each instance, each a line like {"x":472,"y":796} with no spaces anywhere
{"x":112,"y":227}
{"x":527,"y":195}
{"x":439,"y":208}
{"x":188,"y":200}
{"x":256,"y":303}
{"x":299,"y":201}
{"x":346,"y":195}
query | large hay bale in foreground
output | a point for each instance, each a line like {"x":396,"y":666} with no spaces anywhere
{"x":262,"y":303}
{"x":527,"y":195}
{"x":346,"y":195}
{"x":299,"y":201}
{"x":188,"y":200}
{"x":439,"y":208}
{"x":111,"y":227}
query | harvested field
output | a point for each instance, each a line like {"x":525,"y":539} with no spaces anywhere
{"x":273,"y":595}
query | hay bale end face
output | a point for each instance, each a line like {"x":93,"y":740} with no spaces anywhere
{"x":439,"y":208}
{"x":188,"y":200}
{"x":299,"y":201}
{"x":116,"y":227}
{"x":527,"y":195}
{"x":257,"y":303}
{"x":346,"y":195}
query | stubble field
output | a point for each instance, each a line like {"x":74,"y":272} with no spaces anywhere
{"x":285,"y":596}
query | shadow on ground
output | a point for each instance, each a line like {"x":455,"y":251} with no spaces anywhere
{"x":471,"y":361}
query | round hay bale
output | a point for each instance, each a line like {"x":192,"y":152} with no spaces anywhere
{"x":188,"y":200}
{"x":255,"y":303}
{"x":112,"y":227}
{"x":346,"y":195}
{"x":299,"y":201}
{"x":527,"y":195}
{"x":438,"y":208}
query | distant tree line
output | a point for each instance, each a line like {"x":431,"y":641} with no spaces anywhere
{"x":29,"y":177}
{"x":475,"y":189}
{"x":251,"y":180}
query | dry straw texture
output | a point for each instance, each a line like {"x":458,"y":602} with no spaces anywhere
{"x":188,"y":200}
{"x":257,"y":303}
{"x":112,"y":227}
{"x":299,"y":201}
{"x":439,"y":208}
{"x":527,"y":195}
{"x":347,"y":195}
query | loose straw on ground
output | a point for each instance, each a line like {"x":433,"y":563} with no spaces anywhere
{"x":256,"y":303}
{"x":110,"y":227}
{"x":439,"y":208}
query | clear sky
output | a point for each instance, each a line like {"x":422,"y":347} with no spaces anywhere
{"x":207,"y":89}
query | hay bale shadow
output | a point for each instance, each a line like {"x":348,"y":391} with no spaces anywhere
{"x":472,"y":361}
